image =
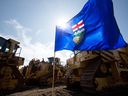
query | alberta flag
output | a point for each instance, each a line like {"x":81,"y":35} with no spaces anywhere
{"x":93,"y":28}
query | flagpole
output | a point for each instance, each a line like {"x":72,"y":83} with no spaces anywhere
{"x":53,"y":78}
{"x":74,"y":61}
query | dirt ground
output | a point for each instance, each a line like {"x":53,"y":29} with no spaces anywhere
{"x":62,"y":91}
{"x":58,"y":91}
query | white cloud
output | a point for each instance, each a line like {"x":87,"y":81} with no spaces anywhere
{"x":32,"y":50}
{"x":38,"y":32}
{"x":64,"y":55}
{"x":20,"y":31}
{"x":37,"y":50}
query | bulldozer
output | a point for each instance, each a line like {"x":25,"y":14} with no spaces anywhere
{"x":10,"y":61}
{"x":97,"y":71}
{"x":40,"y":73}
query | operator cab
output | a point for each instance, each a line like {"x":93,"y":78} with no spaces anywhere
{"x":9,"y":46}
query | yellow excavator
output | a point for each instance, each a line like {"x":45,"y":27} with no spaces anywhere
{"x":97,"y":71}
{"x":40,"y":73}
{"x":10,"y":76}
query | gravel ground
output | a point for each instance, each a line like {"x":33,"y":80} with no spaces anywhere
{"x":63,"y":91}
{"x":59,"y":91}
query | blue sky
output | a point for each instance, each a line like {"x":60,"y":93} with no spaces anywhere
{"x":32,"y":22}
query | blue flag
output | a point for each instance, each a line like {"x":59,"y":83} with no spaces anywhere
{"x":93,"y":28}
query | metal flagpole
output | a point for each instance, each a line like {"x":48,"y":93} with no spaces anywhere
{"x":53,"y":79}
{"x":74,"y":61}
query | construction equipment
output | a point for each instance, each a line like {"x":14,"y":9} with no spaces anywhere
{"x":95,"y":71}
{"x":10,"y":76}
{"x":41,"y":72}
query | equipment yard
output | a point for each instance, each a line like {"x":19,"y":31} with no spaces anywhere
{"x":85,"y":55}
{"x":100,"y":73}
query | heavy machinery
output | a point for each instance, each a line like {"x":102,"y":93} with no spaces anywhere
{"x":96,"y":71}
{"x":41,"y":72}
{"x":10,"y":76}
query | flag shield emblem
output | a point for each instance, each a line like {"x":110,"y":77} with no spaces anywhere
{"x":78,"y":32}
